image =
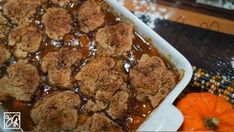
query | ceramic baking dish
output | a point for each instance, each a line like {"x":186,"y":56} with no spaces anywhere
{"x":166,"y":117}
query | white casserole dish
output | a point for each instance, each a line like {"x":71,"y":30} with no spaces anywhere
{"x":166,"y":117}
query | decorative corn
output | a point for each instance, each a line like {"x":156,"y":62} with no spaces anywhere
{"x":214,"y":84}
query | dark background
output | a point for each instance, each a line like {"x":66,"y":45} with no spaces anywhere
{"x":206,"y":49}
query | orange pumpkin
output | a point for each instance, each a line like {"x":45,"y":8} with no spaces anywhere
{"x":206,"y":112}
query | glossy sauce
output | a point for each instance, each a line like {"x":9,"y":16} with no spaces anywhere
{"x":138,"y":111}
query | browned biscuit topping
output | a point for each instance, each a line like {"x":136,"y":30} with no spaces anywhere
{"x":56,"y":112}
{"x":4,"y":26}
{"x":114,"y":40}
{"x":59,"y":64}
{"x":21,"y":82}
{"x":105,"y":80}
{"x":57,"y":22}
{"x":26,"y":39}
{"x":152,"y":79}
{"x":4,"y":55}
{"x":90,"y":16}
{"x":20,"y":10}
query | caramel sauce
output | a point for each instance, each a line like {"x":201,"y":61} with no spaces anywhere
{"x":137,"y":112}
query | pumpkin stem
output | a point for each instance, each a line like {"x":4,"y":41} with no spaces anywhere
{"x":211,"y":123}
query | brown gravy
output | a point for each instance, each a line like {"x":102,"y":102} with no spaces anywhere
{"x":138,"y":111}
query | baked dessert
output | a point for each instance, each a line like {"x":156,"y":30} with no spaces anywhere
{"x":57,"y":22}
{"x":151,"y":79}
{"x":4,"y":26}
{"x":114,"y":40}
{"x":64,"y":3}
{"x":99,"y":122}
{"x":5,"y":54}
{"x":56,"y":112}
{"x":25,"y":39}
{"x":20,"y":11}
{"x":21,"y":81}
{"x":90,"y":16}
{"x":74,"y":65}
{"x":107,"y":86}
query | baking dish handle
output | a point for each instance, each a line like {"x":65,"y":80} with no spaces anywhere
{"x":165,"y":118}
